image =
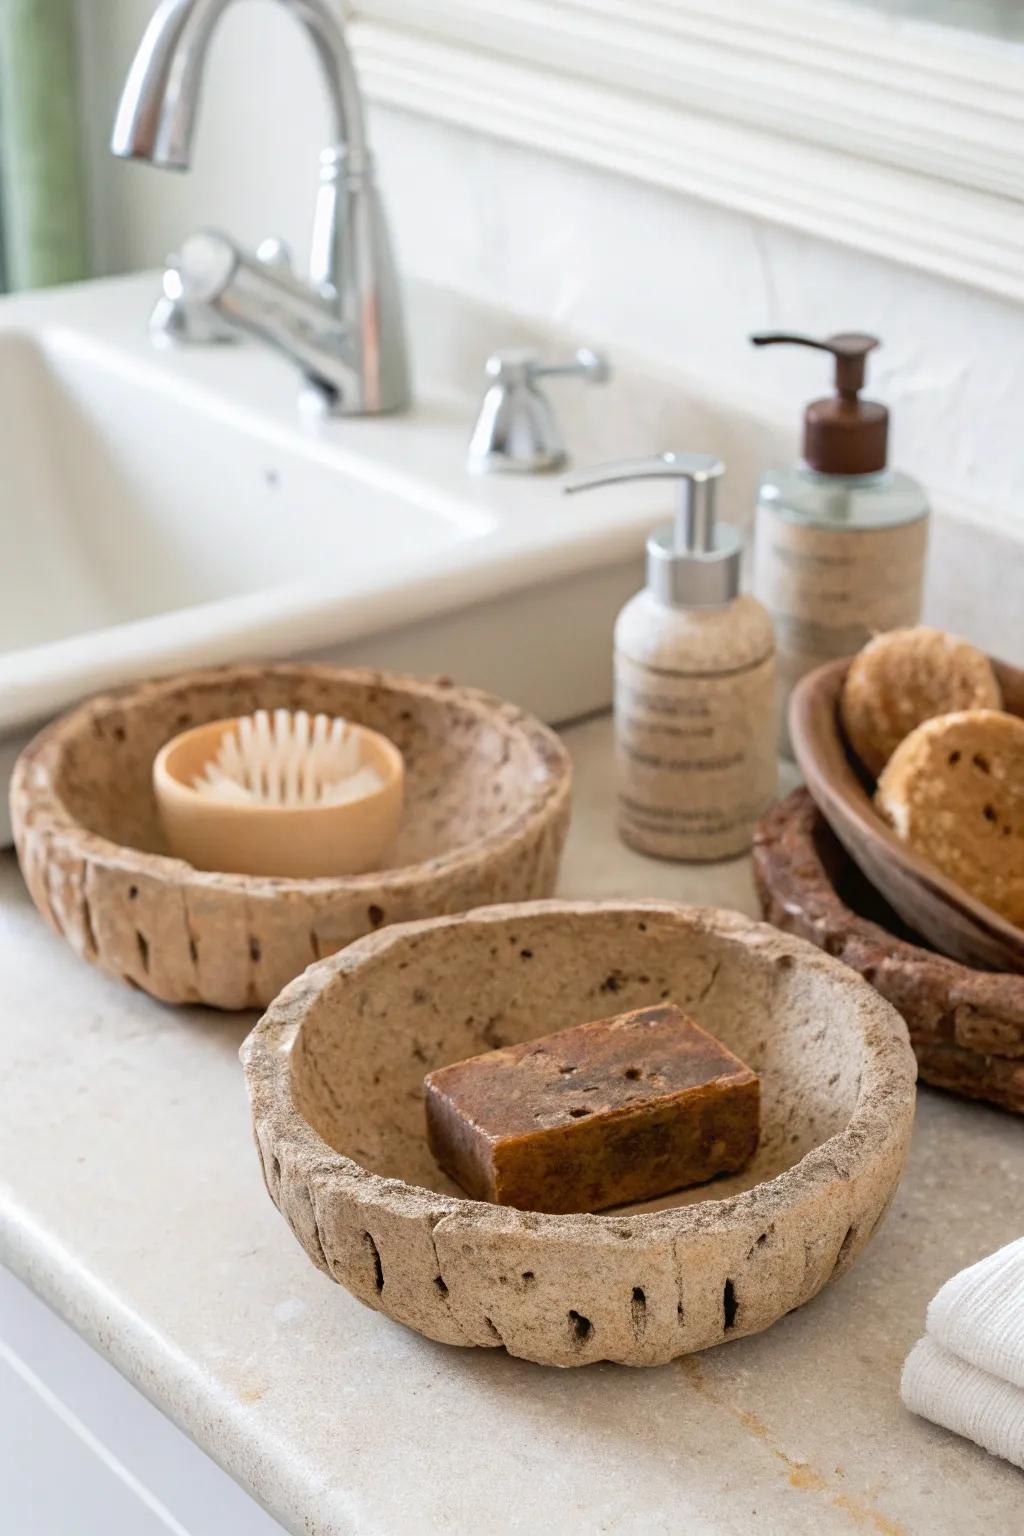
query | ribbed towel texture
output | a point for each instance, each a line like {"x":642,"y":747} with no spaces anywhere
{"x":967,"y":1373}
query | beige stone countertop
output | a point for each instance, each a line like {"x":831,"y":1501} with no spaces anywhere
{"x":131,"y":1200}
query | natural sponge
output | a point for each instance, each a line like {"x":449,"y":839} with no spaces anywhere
{"x":954,"y":791}
{"x":904,"y":677}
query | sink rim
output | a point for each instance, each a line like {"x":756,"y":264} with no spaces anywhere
{"x":523,"y":533}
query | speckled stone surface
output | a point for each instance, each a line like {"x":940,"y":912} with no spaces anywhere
{"x":131,"y":1200}
{"x":486,"y":808}
{"x":335,"y":1071}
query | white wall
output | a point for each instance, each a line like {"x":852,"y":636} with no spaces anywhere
{"x":619,"y":262}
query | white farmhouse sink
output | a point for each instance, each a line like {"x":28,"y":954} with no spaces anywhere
{"x":137,"y":499}
{"x":171,"y":507}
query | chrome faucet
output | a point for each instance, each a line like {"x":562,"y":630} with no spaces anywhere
{"x":516,"y":430}
{"x":344,"y":325}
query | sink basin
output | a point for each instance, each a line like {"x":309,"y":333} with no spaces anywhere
{"x":137,"y":500}
{"x":170,"y":507}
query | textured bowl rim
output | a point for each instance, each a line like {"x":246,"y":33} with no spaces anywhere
{"x":810,"y":893}
{"x":33,"y":780}
{"x":879,"y":1122}
{"x":956,"y":1016}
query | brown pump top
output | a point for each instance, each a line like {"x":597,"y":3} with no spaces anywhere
{"x":843,"y":434}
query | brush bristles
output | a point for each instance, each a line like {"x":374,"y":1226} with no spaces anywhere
{"x":288,"y":760}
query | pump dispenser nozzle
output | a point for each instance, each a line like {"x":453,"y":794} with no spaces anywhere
{"x":695,"y":561}
{"x":843,"y":434}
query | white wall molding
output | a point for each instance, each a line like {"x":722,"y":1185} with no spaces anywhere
{"x":899,"y":139}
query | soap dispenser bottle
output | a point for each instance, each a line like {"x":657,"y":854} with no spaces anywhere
{"x":841,"y":539}
{"x":694,"y":679}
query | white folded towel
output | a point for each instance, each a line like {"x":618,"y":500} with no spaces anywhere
{"x":962,"y":1397}
{"x":979,"y":1314}
{"x":967,"y":1373}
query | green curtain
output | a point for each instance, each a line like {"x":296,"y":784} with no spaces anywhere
{"x":42,"y":216}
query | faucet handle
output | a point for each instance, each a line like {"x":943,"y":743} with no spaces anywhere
{"x":586,"y":364}
{"x":516,"y":431}
{"x":520,"y":365}
{"x":276,"y":254}
{"x":177,"y":317}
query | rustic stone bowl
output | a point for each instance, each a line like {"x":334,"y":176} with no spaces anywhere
{"x":335,"y":1075}
{"x":966,"y":1026}
{"x":486,"y":812}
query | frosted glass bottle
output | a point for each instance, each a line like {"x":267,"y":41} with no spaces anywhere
{"x":841,"y":539}
{"x":839,"y":557}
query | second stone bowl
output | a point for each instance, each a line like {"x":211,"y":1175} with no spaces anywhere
{"x":966,"y":1026}
{"x":335,"y":1075}
{"x":487,"y":792}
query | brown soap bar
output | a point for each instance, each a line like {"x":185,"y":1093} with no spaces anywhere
{"x":612,"y":1111}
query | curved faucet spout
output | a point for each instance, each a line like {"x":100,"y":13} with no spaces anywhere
{"x":157,"y":112}
{"x":344,"y":327}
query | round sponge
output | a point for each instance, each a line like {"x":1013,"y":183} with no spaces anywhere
{"x":954,"y":791}
{"x":906,"y":676}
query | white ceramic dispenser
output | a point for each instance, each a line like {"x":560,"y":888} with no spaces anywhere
{"x":694,"y":678}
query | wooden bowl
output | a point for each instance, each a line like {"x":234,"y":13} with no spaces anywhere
{"x":966,"y":1026}
{"x":952,"y":920}
{"x":335,"y":1075}
{"x":487,"y":793}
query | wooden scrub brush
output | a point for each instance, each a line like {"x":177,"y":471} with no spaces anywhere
{"x":287,"y":794}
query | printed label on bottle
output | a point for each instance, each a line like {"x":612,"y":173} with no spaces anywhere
{"x":696,"y":757}
{"x":830,"y":589}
